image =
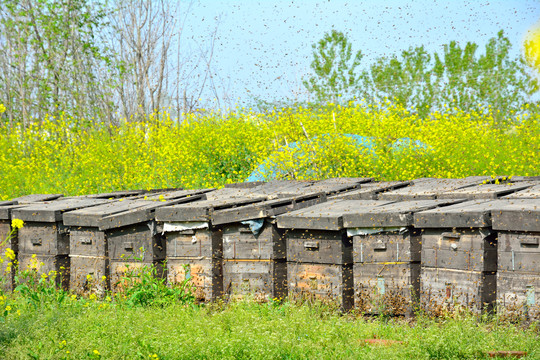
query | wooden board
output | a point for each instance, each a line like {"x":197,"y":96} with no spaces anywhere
{"x":332,"y":186}
{"x":387,"y":247}
{"x":260,"y":280}
{"x":473,"y":213}
{"x":448,"y":289}
{"x":391,"y":215}
{"x":125,"y":212}
{"x":325,"y":216}
{"x":88,"y":241}
{"x":266,"y":209}
{"x":430,"y":188}
{"x":28,"y":199}
{"x":86,"y":275}
{"x":133,"y":242}
{"x":244,"y":185}
{"x":521,"y":215}
{"x":459,"y":249}
{"x":321,"y":282}
{"x":202,"y":210}
{"x":532,"y":192}
{"x":519,"y":252}
{"x":52,"y":211}
{"x":240,"y":243}
{"x":319,"y":247}
{"x":389,"y":289}
{"x":370,"y":191}
{"x":197,"y":243}
{"x":43,"y":238}
{"x":486,"y":191}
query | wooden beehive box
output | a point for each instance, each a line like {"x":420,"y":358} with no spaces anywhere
{"x":194,"y":245}
{"x":44,"y":240}
{"x":518,"y":272}
{"x":8,"y":238}
{"x":109,"y":239}
{"x":387,"y":254}
{"x":254,"y":251}
{"x":431,"y":188}
{"x":319,"y":252}
{"x":459,"y":256}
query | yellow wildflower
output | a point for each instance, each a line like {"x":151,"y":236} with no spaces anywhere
{"x":10,"y":254}
{"x":2,"y":108}
{"x":89,"y":277}
{"x":17,"y":223}
{"x":96,"y":352}
{"x":8,"y":308}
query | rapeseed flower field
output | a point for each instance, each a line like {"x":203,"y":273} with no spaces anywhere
{"x":210,"y":149}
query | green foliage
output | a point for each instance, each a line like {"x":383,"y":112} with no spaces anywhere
{"x":458,"y":79}
{"x":39,"y":289}
{"x":144,"y":286}
{"x":334,"y":65}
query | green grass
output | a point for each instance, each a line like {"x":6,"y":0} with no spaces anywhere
{"x":246,"y":331}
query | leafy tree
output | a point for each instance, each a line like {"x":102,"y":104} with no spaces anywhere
{"x":51,"y":61}
{"x":459,"y":78}
{"x":405,"y":80}
{"x":334,"y":66}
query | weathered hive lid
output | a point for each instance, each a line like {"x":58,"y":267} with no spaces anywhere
{"x":28,"y":199}
{"x":524,"y":178}
{"x":517,"y":216}
{"x":225,"y":193}
{"x":52,"y":211}
{"x":469,"y":214}
{"x":370,"y":190}
{"x":391,"y":215}
{"x":429,"y":188}
{"x":7,"y":210}
{"x":6,"y":207}
{"x":331,"y":186}
{"x":532,"y":192}
{"x":266,"y":209}
{"x":486,"y":191}
{"x":116,"y":194}
{"x":325,"y":216}
{"x":202,"y":210}
{"x":280,"y":188}
{"x":125,"y":212}
{"x":245,"y":185}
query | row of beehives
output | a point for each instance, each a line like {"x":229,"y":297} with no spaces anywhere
{"x":377,"y":246}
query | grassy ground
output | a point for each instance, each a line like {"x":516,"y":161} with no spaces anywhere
{"x":80,"y":329}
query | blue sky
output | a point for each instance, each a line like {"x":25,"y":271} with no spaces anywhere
{"x":263,"y":48}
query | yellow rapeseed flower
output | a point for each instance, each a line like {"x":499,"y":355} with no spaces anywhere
{"x":10,"y":254}
{"x":17,"y":223}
